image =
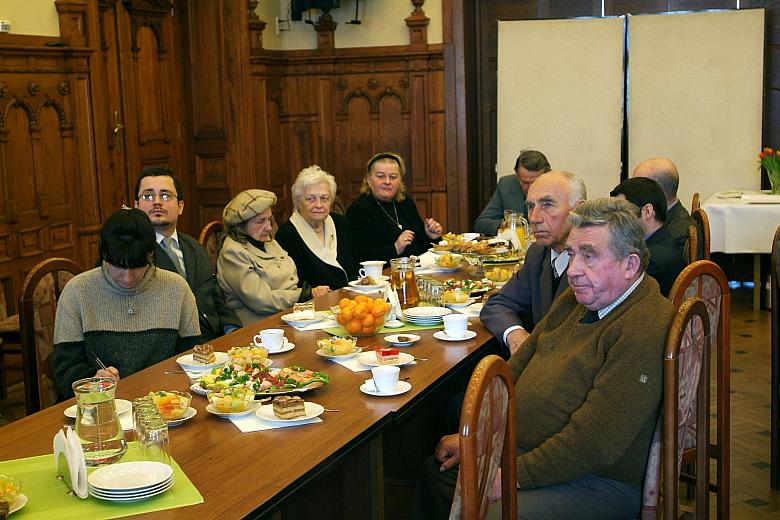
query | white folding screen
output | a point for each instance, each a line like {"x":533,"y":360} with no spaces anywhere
{"x":695,"y":96}
{"x":560,"y":91}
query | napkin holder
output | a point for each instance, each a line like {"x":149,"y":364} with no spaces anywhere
{"x":70,"y":462}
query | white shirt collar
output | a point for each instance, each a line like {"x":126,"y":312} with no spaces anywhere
{"x":606,"y":310}
{"x":174,"y":236}
{"x":559,"y":261}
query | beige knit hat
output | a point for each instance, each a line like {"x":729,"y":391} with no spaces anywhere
{"x":246,"y":205}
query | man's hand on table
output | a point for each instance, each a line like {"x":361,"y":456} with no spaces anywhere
{"x":448,"y":452}
{"x":108,"y":372}
{"x":515,"y":340}
{"x":320,"y":290}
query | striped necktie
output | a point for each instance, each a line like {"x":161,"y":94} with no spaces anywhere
{"x":167,"y":245}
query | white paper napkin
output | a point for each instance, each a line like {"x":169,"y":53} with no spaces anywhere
{"x":253,"y":423}
{"x":356,"y":366}
{"x":319,"y":325}
{"x":66,"y":444}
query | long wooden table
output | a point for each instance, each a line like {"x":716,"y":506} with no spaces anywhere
{"x":254,"y":474}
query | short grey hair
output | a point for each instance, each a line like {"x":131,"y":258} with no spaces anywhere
{"x":577,"y":190}
{"x":312,"y":176}
{"x":619,"y":216}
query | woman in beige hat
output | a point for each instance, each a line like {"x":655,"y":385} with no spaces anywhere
{"x":257,"y":276}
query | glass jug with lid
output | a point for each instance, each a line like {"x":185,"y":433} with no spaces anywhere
{"x":403,"y":281}
{"x":97,"y":423}
{"x":519,"y":227}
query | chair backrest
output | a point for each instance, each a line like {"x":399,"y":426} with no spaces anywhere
{"x":487,"y":442}
{"x":686,"y":402}
{"x":37,"y":309}
{"x":691,"y":253}
{"x":774,"y":471}
{"x":696,"y":202}
{"x":705,"y":280}
{"x":208,"y":239}
{"x":703,"y":224}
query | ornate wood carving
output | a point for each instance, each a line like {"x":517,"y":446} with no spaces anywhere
{"x":147,"y":13}
{"x":326,"y":28}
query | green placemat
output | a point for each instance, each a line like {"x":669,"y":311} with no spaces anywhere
{"x":47,"y":496}
{"x":336,"y":331}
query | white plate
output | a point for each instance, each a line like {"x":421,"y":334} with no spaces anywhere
{"x":369,"y":358}
{"x":440,"y":334}
{"x":133,"y":492}
{"x":129,"y":475}
{"x":446,"y":269}
{"x":130,"y":497}
{"x":187,"y":362}
{"x":426,"y":312}
{"x":473,"y":310}
{"x":266,"y":412}
{"x":286,"y":347}
{"x":393,"y":339}
{"x":16,"y":505}
{"x":460,"y":305}
{"x":251,"y":409}
{"x":394,"y":324}
{"x":189,"y":414}
{"x":355,"y":352}
{"x":288,"y":318}
{"x":122,"y":406}
{"x":367,"y":288}
{"x":401,"y":387}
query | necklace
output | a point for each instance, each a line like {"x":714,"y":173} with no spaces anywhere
{"x":130,"y":309}
{"x":395,"y":220}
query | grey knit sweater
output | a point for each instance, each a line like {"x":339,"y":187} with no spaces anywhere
{"x":94,"y":319}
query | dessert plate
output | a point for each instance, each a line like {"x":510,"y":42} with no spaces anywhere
{"x":19,"y":502}
{"x":188,"y":363}
{"x":252,"y":408}
{"x":365,"y":288}
{"x":189,"y":414}
{"x":122,"y":406}
{"x":313,"y":410}
{"x":401,"y":387}
{"x":440,"y":334}
{"x":462,"y":305}
{"x":129,"y":476}
{"x":286,"y":347}
{"x":402,"y":340}
{"x":322,"y":352}
{"x":369,"y":358}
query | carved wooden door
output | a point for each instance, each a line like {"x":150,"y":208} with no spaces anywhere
{"x":143,"y":83}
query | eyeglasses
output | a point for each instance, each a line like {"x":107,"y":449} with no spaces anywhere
{"x":165,"y":196}
{"x":312,"y":199}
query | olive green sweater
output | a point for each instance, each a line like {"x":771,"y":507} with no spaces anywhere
{"x":587,"y":395}
{"x":93,"y":319}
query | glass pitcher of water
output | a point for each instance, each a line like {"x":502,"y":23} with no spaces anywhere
{"x":403,"y":281}
{"x":519,"y":226}
{"x":97,"y":423}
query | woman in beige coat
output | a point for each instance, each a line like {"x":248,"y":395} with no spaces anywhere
{"x":257,"y":276}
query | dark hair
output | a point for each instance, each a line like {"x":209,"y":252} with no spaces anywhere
{"x":643,"y":190}
{"x":159,"y":171}
{"x":127,"y":239}
{"x":532,"y":161}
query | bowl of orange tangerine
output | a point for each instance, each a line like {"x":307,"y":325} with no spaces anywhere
{"x":361,"y":316}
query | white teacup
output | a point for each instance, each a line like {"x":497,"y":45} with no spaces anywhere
{"x":372,"y":268}
{"x":456,"y":325}
{"x":385,"y":377}
{"x":272,"y":339}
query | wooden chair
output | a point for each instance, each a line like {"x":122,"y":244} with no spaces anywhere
{"x":37,"y":309}
{"x":691,"y":253}
{"x":703,"y":225}
{"x":10,"y":337}
{"x":686,"y":405}
{"x":696,"y":202}
{"x":705,"y":280}
{"x":487,"y":442}
{"x":208,"y":238}
{"x":774,"y":470}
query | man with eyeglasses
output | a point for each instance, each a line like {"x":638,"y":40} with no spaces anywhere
{"x":159,"y":195}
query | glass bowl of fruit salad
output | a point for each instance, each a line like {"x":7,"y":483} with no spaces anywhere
{"x":171,"y":404}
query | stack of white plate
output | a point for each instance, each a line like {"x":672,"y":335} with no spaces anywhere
{"x":426,"y":315}
{"x":128,"y":481}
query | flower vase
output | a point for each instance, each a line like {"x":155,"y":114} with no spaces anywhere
{"x":774,"y":181}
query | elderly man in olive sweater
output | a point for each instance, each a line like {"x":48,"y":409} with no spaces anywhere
{"x":588,"y":383}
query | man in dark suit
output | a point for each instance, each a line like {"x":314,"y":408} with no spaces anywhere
{"x":511,"y":191}
{"x":664,"y":172}
{"x":666,"y":257}
{"x":512,"y":313}
{"x":159,"y":195}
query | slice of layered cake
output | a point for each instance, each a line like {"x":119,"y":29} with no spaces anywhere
{"x":204,"y":354}
{"x":289,"y":407}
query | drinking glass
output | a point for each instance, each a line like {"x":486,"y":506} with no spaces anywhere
{"x":436,"y":290}
{"x":156,"y":440}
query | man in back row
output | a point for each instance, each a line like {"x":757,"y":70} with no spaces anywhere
{"x":511,"y":191}
{"x":664,"y":172}
{"x":522,"y":303}
{"x":159,"y":195}
{"x":588,"y":383}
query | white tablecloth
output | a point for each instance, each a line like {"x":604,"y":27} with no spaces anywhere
{"x":736,"y":227}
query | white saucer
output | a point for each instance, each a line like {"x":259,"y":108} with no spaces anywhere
{"x":19,"y":502}
{"x":401,"y":387}
{"x":365,"y":288}
{"x":122,"y":406}
{"x":393,"y":339}
{"x":355,"y":352}
{"x":458,"y":306}
{"x":189,"y":414}
{"x":446,"y":269}
{"x":394,"y":324}
{"x":266,"y":412}
{"x":440,"y":334}
{"x":187,"y":362}
{"x":286,"y":347}
{"x":227,"y":415}
{"x":369,"y":358}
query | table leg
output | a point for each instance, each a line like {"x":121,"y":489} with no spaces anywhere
{"x":757,"y":282}
{"x":377,"y":472}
